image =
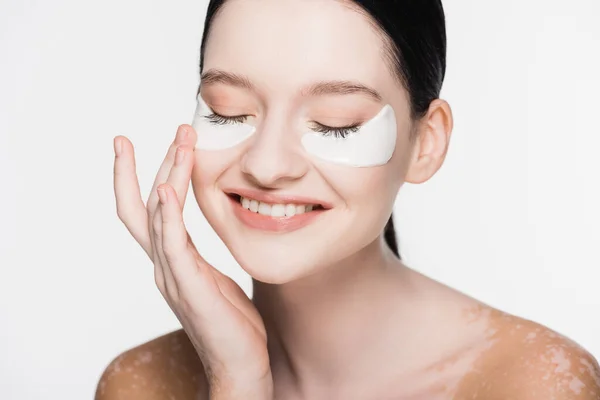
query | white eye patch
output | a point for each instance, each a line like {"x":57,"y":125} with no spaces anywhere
{"x":217,"y":136}
{"x":372,"y":144}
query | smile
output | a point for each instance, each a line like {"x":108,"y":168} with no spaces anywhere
{"x":272,"y":216}
{"x":277,"y":210}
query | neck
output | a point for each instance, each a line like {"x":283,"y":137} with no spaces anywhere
{"x":319,"y":326}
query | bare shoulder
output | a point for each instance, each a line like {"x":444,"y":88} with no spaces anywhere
{"x":530,"y":361}
{"x":164,"y":368}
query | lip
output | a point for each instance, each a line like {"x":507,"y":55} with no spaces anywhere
{"x":277,"y":198}
{"x":272,"y":224}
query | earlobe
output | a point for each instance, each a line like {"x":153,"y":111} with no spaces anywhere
{"x":431,"y":143}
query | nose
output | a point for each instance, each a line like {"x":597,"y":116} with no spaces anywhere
{"x":273,"y":158}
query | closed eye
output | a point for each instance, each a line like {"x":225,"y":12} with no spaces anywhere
{"x":218,"y":119}
{"x":338,"y":132}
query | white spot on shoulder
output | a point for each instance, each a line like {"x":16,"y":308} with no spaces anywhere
{"x":576,"y":385}
{"x":116,"y":367}
{"x":530,"y":336}
{"x":145,"y":357}
{"x":594,"y":373}
{"x":563,"y":364}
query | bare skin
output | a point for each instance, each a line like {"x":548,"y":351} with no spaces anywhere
{"x":344,"y":318}
{"x":488,"y":355}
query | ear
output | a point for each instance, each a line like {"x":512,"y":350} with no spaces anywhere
{"x":431,"y":142}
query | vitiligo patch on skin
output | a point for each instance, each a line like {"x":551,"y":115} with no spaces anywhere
{"x":500,"y":356}
{"x":167,"y":368}
{"x":480,"y":336}
{"x":529,"y":360}
{"x":213,"y":136}
{"x":371,"y":145}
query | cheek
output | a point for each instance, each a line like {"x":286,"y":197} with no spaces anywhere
{"x":367,"y":196}
{"x":208,"y":167}
{"x":373,"y":187}
{"x":377,"y":186}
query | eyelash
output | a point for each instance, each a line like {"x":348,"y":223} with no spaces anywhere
{"x":217,"y":119}
{"x":338,"y":132}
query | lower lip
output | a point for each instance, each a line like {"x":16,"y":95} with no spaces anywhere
{"x":272,"y":224}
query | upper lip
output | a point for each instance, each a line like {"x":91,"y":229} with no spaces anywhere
{"x":276,"y":198}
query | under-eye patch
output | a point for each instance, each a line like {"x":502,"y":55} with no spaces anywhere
{"x":371,"y":144}
{"x":220,"y":134}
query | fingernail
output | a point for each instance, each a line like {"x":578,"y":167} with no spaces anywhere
{"x":179,"y":156}
{"x":162,"y":196}
{"x":118,"y":147}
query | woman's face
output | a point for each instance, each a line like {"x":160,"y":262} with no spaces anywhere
{"x":280,"y":49}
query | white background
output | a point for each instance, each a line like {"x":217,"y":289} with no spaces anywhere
{"x":512,"y":218}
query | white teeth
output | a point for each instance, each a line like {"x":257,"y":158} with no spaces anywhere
{"x":264,"y":208}
{"x":290,"y":210}
{"x":278,"y":210}
{"x":253,"y":206}
{"x":275,"y":210}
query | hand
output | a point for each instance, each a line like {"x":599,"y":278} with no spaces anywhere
{"x":222,"y":323}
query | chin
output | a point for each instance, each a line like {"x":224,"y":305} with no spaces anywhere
{"x":274,"y":263}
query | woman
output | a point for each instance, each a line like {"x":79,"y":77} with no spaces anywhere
{"x":311,"y":115}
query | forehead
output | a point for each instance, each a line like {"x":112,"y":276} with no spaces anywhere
{"x":284,"y":44}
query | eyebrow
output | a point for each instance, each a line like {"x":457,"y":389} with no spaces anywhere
{"x":316,"y":89}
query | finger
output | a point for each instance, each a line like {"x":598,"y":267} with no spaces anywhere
{"x":130,"y":207}
{"x":169,"y":285}
{"x":165,"y":168}
{"x":159,"y":275}
{"x":164,"y":282}
{"x":181,"y":173}
{"x":191,"y":273}
{"x":161,"y":177}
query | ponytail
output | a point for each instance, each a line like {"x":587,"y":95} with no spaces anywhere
{"x":390,"y":236}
